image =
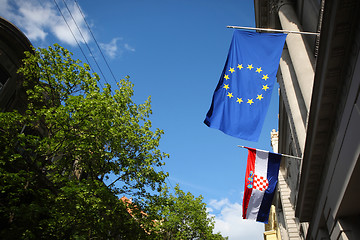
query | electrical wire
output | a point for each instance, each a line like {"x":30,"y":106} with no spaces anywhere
{"x":85,"y":42}
{"x":96,"y":42}
{"x":72,"y":33}
{"x":172,"y":187}
{"x":77,"y":26}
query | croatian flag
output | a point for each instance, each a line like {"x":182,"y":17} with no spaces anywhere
{"x":260,"y":182}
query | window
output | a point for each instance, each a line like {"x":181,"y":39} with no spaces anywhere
{"x":4,"y":77}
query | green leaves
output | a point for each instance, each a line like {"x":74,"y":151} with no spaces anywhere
{"x":105,"y":133}
{"x":75,"y":134}
{"x":181,"y":216}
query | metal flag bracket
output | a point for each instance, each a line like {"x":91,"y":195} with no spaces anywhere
{"x":284,"y":155}
{"x":274,"y":30}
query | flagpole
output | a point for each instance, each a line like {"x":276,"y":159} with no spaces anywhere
{"x":273,"y":30}
{"x":285,"y":155}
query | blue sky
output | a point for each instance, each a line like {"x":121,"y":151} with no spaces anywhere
{"x":173,"y":51}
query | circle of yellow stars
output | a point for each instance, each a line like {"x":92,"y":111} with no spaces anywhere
{"x":250,"y":67}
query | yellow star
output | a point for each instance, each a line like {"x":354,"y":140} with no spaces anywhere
{"x":250,"y":66}
{"x":226,"y":77}
{"x":231,"y":70}
{"x":240,"y":66}
{"x":239,"y":100}
{"x":259,"y":97}
{"x":265,"y":77}
{"x":250,"y":101}
{"x":258,"y":70}
{"x":229,"y":95}
{"x":265,"y":87}
{"x":226,"y":86}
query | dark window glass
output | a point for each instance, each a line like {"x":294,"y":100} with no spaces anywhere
{"x":4,"y":76}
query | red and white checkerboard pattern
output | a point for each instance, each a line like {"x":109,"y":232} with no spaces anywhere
{"x":260,"y":183}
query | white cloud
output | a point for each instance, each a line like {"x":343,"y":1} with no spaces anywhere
{"x":129,"y":48}
{"x":40,"y":19}
{"x":113,"y":48}
{"x":37,"y":19}
{"x":5,"y":10}
{"x":75,"y":21}
{"x":219,"y":204}
{"x":229,"y":222}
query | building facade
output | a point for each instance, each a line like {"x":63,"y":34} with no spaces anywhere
{"x":13,"y":44}
{"x":319,"y":114}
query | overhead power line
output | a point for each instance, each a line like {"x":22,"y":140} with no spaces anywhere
{"x":85,"y":42}
{"x":96,"y":42}
{"x":91,"y":53}
{"x":72,"y":33}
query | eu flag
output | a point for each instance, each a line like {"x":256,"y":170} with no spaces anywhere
{"x":242,"y":96}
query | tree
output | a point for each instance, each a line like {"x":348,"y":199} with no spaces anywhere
{"x":181,"y":216}
{"x":57,"y":154}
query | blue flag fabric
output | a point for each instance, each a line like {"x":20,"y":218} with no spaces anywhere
{"x":242,"y":96}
